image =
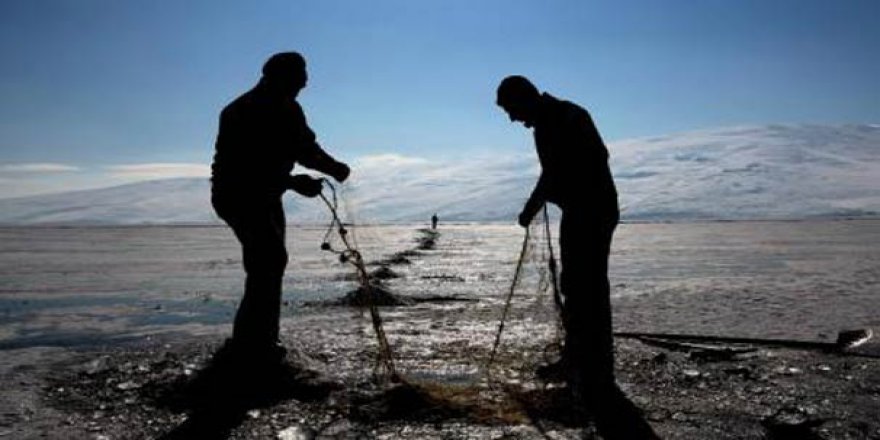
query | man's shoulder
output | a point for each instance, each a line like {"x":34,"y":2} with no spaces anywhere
{"x":563,"y":110}
{"x":567,"y":106}
{"x":254,"y":103}
{"x":240,"y":103}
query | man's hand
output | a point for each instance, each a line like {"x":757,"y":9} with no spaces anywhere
{"x":525,"y":218}
{"x":340,"y":172}
{"x":529,"y":211}
{"x":305,"y":185}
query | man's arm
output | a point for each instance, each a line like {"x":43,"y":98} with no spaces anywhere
{"x":535,"y":202}
{"x":314,"y":157}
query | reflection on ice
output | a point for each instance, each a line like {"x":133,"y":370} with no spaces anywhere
{"x":779,"y":279}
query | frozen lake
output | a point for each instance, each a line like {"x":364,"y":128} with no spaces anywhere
{"x":808,"y":279}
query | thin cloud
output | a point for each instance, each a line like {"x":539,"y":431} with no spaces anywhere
{"x":25,"y":179}
{"x":389,"y":160}
{"x":158,"y":170}
{"x":36,"y":168}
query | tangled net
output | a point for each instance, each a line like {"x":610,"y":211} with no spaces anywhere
{"x":489,"y":400}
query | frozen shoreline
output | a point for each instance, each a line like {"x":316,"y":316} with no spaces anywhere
{"x":110,"y":393}
{"x":88,"y":392}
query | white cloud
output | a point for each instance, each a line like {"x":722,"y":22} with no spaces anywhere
{"x":389,"y":160}
{"x":36,"y":168}
{"x":30,"y":178}
{"x":27,"y":179}
{"x":158,"y":170}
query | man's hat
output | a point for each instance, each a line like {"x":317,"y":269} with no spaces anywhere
{"x":284,"y":64}
{"x":515,"y":88}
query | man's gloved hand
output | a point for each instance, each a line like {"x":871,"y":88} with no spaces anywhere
{"x":305,"y":185}
{"x":340,"y":172}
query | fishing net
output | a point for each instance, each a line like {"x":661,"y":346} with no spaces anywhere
{"x":528,"y":309}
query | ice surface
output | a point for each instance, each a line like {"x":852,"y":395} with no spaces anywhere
{"x":69,"y":286}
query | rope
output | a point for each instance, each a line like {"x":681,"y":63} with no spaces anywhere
{"x":557,"y":297}
{"x":556,"y":343}
{"x":513,"y":284}
{"x":351,"y":255}
{"x":553,"y":274}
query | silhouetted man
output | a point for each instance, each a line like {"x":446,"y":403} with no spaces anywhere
{"x":263,"y":134}
{"x":434,"y":221}
{"x":575,"y":176}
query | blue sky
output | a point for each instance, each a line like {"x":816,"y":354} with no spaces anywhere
{"x":99,"y":92}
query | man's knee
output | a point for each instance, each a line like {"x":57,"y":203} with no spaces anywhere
{"x":586,"y":286}
{"x":268,"y":261}
{"x":276,"y":260}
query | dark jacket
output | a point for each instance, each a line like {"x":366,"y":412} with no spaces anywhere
{"x":261,"y":137}
{"x":574,"y":161}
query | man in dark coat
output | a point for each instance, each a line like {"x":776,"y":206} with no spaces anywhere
{"x":263,"y":134}
{"x":575,"y":176}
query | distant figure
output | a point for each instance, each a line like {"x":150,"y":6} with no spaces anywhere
{"x":434,"y":221}
{"x":575,"y":176}
{"x":263,"y":134}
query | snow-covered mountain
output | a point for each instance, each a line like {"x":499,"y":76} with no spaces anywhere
{"x":775,"y":171}
{"x":755,"y":172}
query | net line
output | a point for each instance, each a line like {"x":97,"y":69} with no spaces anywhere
{"x":536,"y":251}
{"x":536,"y":248}
{"x":350,"y":254}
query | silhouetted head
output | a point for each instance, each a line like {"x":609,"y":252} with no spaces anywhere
{"x":519,"y":98}
{"x":285,"y":73}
